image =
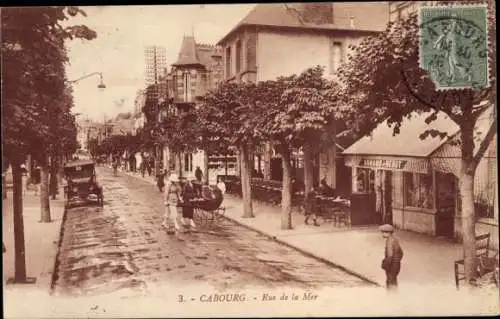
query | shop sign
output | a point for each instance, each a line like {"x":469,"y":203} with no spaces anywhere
{"x":382,"y":163}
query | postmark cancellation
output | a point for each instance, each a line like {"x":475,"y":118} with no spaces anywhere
{"x":453,"y":46}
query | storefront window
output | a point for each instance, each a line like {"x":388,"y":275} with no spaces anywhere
{"x":365,"y":180}
{"x":418,"y":190}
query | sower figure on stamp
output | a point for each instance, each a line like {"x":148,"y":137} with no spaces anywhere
{"x":392,"y":258}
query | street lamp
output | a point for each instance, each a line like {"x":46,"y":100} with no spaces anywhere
{"x":101,"y":84}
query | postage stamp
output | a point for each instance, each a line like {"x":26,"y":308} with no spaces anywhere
{"x":453,"y":46}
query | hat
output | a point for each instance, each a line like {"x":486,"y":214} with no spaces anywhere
{"x":386,"y":228}
{"x":173,"y":178}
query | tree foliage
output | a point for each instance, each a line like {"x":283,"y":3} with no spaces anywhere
{"x":34,"y":84}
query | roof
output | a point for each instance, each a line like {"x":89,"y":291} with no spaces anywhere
{"x":287,"y":15}
{"x":188,"y":54}
{"x":407,"y":142}
{"x":79,"y":163}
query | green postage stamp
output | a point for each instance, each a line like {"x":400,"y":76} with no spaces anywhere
{"x":453,"y":46}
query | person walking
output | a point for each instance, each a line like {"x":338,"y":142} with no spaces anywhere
{"x":36,"y":179}
{"x":160,"y":180}
{"x":198,"y":174}
{"x":172,"y":199}
{"x":310,"y":207}
{"x":188,"y":193}
{"x":392,"y":257}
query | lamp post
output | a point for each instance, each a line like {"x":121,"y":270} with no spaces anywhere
{"x":100,"y":85}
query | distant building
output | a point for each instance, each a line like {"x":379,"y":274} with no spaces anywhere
{"x":277,"y":39}
{"x":86,"y":130}
{"x":401,"y":9}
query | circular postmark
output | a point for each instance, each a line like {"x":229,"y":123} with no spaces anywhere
{"x":453,"y":46}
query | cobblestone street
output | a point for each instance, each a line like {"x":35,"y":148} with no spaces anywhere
{"x":123,"y":246}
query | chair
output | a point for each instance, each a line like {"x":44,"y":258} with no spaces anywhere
{"x":482,"y":250}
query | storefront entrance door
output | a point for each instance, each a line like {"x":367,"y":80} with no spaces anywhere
{"x":446,"y":194}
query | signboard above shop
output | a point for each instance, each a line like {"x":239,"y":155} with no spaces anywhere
{"x":383,"y":164}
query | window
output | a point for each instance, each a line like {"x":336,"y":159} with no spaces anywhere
{"x":238,"y":56}
{"x":418,"y":190}
{"x":365,"y":179}
{"x":228,"y":62}
{"x":188,"y":162}
{"x":336,"y":56}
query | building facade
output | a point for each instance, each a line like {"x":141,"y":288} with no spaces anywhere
{"x":283,"y":39}
{"x":197,"y":70}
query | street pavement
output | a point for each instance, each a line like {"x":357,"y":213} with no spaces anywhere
{"x":123,"y":246}
{"x":359,"y":250}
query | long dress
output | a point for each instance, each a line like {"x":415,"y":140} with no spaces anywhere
{"x":188,"y":193}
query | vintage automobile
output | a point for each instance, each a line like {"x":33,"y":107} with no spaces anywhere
{"x":81,"y":182}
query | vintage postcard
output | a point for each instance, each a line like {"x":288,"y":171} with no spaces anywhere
{"x":309,"y":159}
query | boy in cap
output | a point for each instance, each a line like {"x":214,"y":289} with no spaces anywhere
{"x":393,"y":255}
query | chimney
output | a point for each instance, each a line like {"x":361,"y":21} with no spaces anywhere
{"x":351,"y":19}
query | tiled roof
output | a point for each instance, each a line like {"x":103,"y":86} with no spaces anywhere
{"x":367,"y":16}
{"x":188,"y":54}
{"x":407,"y":142}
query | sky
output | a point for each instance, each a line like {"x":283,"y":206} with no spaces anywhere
{"x":123,"y":32}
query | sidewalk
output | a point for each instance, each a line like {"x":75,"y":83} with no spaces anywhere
{"x":41,"y":240}
{"x":358,"y":250}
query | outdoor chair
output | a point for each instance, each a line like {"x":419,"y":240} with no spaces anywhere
{"x":482,"y":251}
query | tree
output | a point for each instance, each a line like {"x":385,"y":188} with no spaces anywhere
{"x":231,"y":116}
{"x":33,"y":49}
{"x":382,"y":79}
{"x":300,"y":108}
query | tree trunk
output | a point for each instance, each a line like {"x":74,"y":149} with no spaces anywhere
{"x":245,"y":182}
{"x":267,"y":161}
{"x":286,"y":191}
{"x":179,"y":161}
{"x":19,"y":248}
{"x":205,"y":168}
{"x":308,"y":168}
{"x":166,"y":158}
{"x":466,"y":184}
{"x":225,"y":164}
{"x":468,"y":224}
{"x":29,"y":166}
{"x":238,"y":163}
{"x":53,"y":177}
{"x":44,"y":191}
{"x":60,"y":170}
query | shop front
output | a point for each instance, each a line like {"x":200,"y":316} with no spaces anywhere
{"x":414,"y":180}
{"x":402,"y":189}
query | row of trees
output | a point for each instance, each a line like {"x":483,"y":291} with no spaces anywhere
{"x":36,"y":101}
{"x":380,"y":80}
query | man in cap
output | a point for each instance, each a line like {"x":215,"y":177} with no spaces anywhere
{"x":393,"y":255}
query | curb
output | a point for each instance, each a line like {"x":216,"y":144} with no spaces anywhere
{"x":302,"y":251}
{"x":55,"y":269}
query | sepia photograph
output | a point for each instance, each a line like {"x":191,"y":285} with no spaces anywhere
{"x":299,"y":159}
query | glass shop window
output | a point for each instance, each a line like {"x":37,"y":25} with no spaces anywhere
{"x":418,"y":191}
{"x":365,"y":179}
